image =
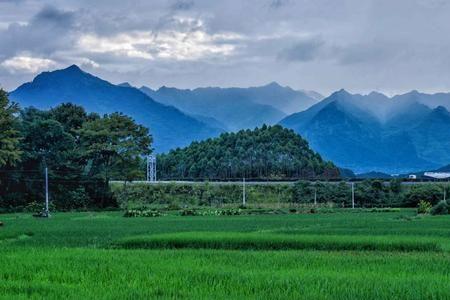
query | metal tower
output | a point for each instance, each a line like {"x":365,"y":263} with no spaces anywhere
{"x":151,"y":168}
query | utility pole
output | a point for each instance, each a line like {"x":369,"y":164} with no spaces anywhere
{"x":445,"y":193}
{"x":315,"y":196}
{"x":151,"y":168}
{"x":46,"y":212}
{"x":243,"y":192}
{"x":353,"y":195}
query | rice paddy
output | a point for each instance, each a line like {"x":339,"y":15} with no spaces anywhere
{"x":392,"y":255}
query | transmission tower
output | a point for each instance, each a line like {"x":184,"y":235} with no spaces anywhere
{"x":151,"y":168}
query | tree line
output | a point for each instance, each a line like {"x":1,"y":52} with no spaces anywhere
{"x":367,"y":194}
{"x":81,"y":150}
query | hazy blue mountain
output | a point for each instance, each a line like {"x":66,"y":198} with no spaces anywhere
{"x":444,"y":169}
{"x":374,"y":175}
{"x":237,"y":108}
{"x":283,"y":98}
{"x":376,"y":133}
{"x":125,"y":84}
{"x":169,"y":126}
{"x":431,"y":136}
{"x":430,"y":100}
{"x":211,"y":122}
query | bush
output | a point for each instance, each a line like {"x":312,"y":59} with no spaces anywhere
{"x":187,"y":212}
{"x":426,"y":192}
{"x":385,"y":209}
{"x":424,"y":207}
{"x":133,"y":213}
{"x":209,"y":212}
{"x":368,"y":194}
{"x":440,"y":209}
{"x":173,"y":206}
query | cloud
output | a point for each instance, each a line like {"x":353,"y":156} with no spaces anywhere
{"x":189,"y":41}
{"x":182,"y":5}
{"x":371,"y":52}
{"x":52,"y":16}
{"x":304,"y":50}
{"x":278,"y":3}
{"x":359,"y":45}
{"x":27,"y":64}
{"x":124,"y":44}
{"x":48,"y":31}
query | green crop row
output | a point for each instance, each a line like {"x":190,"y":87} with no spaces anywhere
{"x":256,"y":241}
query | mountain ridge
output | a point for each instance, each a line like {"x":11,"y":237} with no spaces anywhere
{"x":169,"y":126}
{"x":237,"y":108}
{"x":376,"y":133}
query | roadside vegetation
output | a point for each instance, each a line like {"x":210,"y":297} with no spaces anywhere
{"x":368,"y":194}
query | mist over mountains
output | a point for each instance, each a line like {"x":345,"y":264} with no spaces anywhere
{"x":237,"y":108}
{"x":373,"y":132}
{"x":376,"y":133}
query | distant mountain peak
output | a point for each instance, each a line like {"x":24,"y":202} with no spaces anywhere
{"x":341,"y":94}
{"x":441,"y":110}
{"x":377,"y":94}
{"x":73,"y":69}
{"x":413,"y":93}
{"x":125,"y":84}
{"x":273,"y":84}
{"x":170,"y":127}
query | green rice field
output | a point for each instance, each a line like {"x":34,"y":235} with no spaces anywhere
{"x":340,"y":255}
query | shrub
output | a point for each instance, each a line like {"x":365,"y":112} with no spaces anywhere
{"x":427,"y":192}
{"x":210,"y":212}
{"x":187,"y":212}
{"x":424,"y":207}
{"x":133,"y":213}
{"x":173,"y":206}
{"x":440,"y":209}
{"x":385,"y":209}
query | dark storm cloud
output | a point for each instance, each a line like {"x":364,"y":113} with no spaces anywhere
{"x":46,"y":32}
{"x":50,"y":15}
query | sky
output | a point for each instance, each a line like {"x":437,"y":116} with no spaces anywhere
{"x":321,"y":45}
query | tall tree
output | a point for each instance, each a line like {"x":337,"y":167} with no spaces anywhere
{"x":9,"y":135}
{"x":114,"y":140}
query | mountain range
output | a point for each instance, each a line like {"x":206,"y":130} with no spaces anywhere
{"x":236,"y":108}
{"x":169,"y":126}
{"x":376,"y":133}
{"x":363,"y":133}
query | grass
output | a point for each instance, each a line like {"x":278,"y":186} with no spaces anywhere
{"x":348,"y":256}
{"x":258,"y":241}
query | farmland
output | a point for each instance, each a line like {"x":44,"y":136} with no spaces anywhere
{"x":340,"y":255}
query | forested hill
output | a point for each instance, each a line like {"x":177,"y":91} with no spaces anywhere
{"x":269,"y":152}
